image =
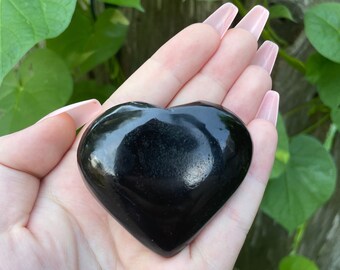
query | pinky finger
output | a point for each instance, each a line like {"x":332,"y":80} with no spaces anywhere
{"x":228,"y":230}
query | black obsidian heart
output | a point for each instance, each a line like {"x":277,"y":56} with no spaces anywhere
{"x":164,"y":173}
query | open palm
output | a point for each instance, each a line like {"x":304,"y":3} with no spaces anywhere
{"x":49,"y":219}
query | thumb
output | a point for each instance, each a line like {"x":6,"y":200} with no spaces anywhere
{"x":28,"y":155}
{"x":37,"y":149}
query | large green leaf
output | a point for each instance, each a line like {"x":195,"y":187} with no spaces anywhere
{"x":308,"y":181}
{"x":41,"y":84}
{"x":125,"y":3}
{"x":296,"y":262}
{"x":24,"y":23}
{"x":86,"y":44}
{"x":322,"y":24}
{"x":282,"y":151}
{"x":89,"y":89}
{"x":325,"y":74}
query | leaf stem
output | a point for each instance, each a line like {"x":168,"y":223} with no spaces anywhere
{"x":292,"y":61}
{"x":316,"y":124}
{"x":271,"y":34}
{"x":93,"y":9}
{"x":330,"y":137}
{"x":300,"y":231}
{"x":300,"y":107}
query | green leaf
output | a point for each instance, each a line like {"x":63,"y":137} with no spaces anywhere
{"x":126,"y":3}
{"x":282,"y":151}
{"x":70,"y":44}
{"x":280,"y":11}
{"x":325,"y":75}
{"x":24,"y":23}
{"x":322,"y":24}
{"x":296,"y":262}
{"x":40,"y":85}
{"x":335,"y":115}
{"x":86,"y":44}
{"x":308,"y":182}
{"x":91,"y":89}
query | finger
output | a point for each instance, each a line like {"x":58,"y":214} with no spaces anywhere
{"x":222,"y":18}
{"x":227,"y":231}
{"x":159,"y":78}
{"x":245,"y":96}
{"x":233,"y":56}
{"x":28,"y":155}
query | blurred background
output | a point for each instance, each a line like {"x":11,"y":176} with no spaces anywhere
{"x":91,"y":47}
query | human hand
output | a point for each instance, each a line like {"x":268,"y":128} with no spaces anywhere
{"x":49,"y":218}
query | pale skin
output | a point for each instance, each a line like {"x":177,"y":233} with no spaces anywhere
{"x":49,"y":219}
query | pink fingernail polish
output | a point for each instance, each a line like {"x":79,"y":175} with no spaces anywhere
{"x":269,"y":108}
{"x":222,"y":18}
{"x":81,"y":112}
{"x":266,"y":55}
{"x":254,"y":21}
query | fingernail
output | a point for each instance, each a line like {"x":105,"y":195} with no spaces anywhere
{"x":269,"y":108}
{"x":222,"y":18}
{"x":266,"y":55}
{"x":254,"y":21}
{"x":81,"y":112}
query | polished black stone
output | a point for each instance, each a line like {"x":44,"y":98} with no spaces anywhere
{"x":164,"y":173}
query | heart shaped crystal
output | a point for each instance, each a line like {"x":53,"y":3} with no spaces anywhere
{"x":164,"y":173}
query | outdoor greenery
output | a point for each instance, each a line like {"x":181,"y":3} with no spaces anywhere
{"x":53,"y":53}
